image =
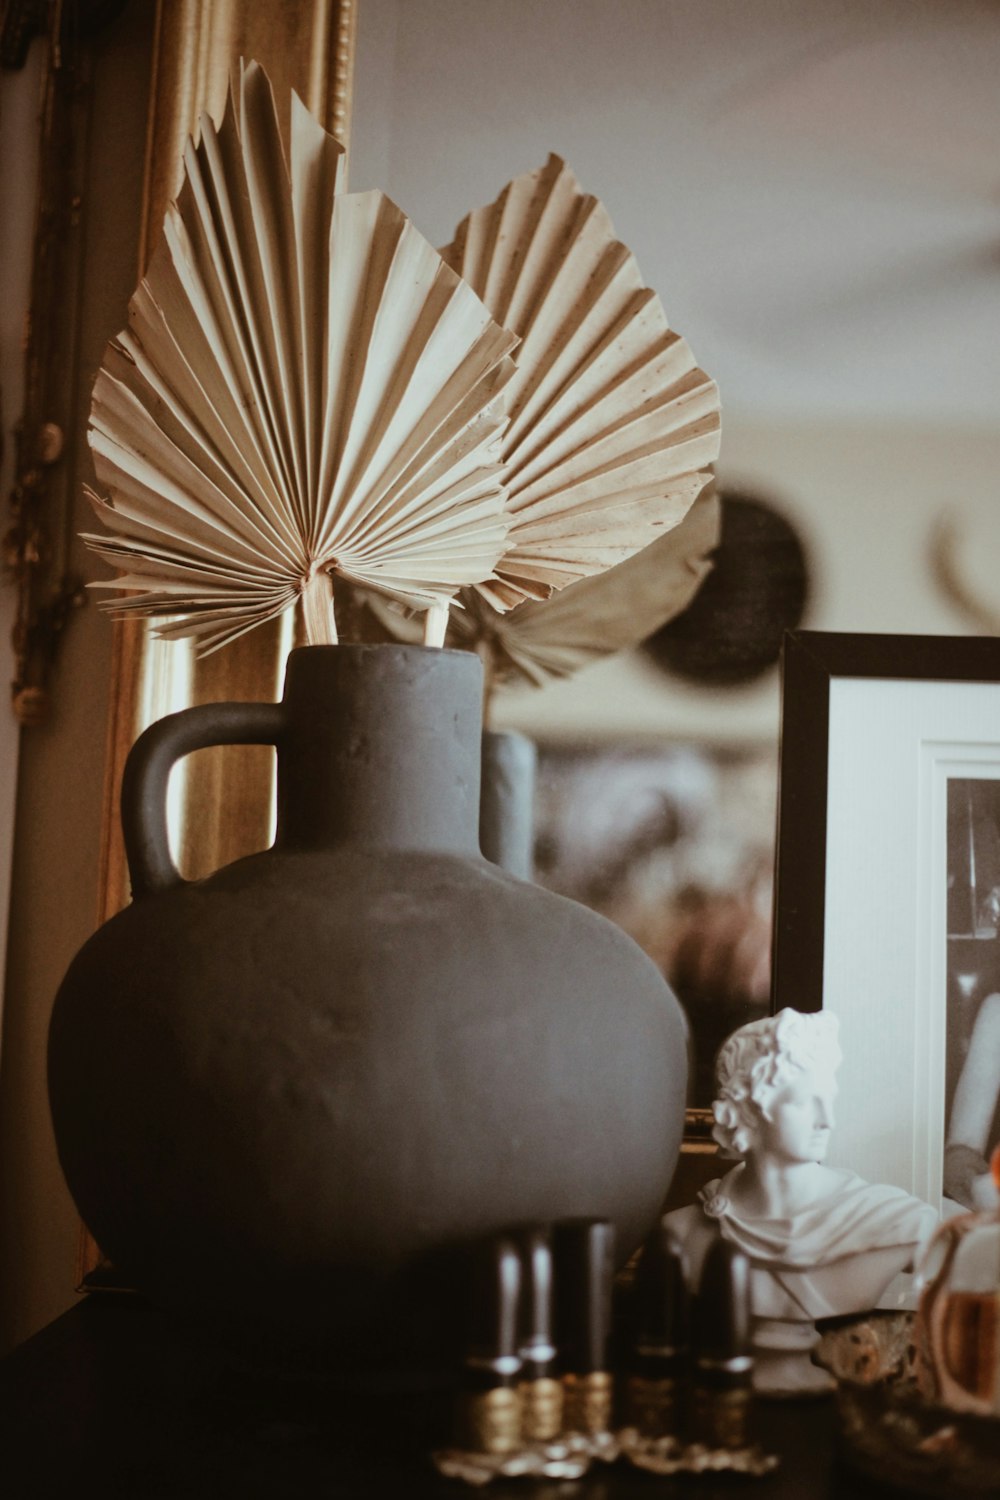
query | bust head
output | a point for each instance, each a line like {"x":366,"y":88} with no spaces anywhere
{"x":776,"y":1084}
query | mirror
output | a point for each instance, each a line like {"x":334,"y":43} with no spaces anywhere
{"x":811,"y":191}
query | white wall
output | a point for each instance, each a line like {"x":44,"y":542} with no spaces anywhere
{"x":865,"y":498}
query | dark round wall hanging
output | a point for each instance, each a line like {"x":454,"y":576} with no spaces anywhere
{"x":731,"y":632}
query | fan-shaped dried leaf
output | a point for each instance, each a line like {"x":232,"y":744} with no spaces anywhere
{"x":613,"y":426}
{"x":303,"y":388}
{"x":598,"y":616}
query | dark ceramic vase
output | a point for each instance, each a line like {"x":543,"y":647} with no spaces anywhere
{"x":286,"y":1097}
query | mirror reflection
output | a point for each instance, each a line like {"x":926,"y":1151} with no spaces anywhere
{"x":811,"y":191}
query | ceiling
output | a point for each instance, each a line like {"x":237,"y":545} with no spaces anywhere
{"x":812,"y":185}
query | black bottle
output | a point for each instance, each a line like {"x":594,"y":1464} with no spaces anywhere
{"x":541,"y":1389}
{"x":584,"y":1254}
{"x":489,"y":1402}
{"x":722,"y":1387}
{"x":661,"y":1338}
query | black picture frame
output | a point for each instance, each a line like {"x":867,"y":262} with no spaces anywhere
{"x":878,"y":732}
{"x":810,"y":661}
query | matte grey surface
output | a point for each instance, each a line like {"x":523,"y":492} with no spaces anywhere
{"x":507,"y":802}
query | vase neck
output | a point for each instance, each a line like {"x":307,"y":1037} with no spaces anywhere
{"x":381,"y":748}
{"x":507,"y":805}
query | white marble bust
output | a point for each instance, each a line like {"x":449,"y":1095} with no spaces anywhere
{"x":821,"y":1241}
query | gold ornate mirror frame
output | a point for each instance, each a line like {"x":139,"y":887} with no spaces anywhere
{"x":225,"y":809}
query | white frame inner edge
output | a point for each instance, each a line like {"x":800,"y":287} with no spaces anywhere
{"x":893,"y":745}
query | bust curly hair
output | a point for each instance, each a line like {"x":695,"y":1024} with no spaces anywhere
{"x":761,"y":1059}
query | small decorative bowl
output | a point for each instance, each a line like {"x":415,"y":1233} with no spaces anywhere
{"x":890,"y":1432}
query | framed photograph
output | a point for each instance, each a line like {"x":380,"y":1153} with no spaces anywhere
{"x":887,"y":907}
{"x":675,"y":843}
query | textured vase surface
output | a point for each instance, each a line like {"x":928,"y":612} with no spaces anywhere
{"x":507,"y":801}
{"x":286,"y":1097}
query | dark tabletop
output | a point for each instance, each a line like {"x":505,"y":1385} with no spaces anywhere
{"x":112,"y":1400}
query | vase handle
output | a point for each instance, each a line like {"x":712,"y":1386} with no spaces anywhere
{"x":147,"y":771}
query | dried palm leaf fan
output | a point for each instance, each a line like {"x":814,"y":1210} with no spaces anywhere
{"x":304,"y":389}
{"x":600,"y":615}
{"x":613,"y":428}
{"x":596,"y":617}
{"x":612,"y":425}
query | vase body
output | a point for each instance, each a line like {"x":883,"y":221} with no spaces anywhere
{"x":288,"y":1096}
